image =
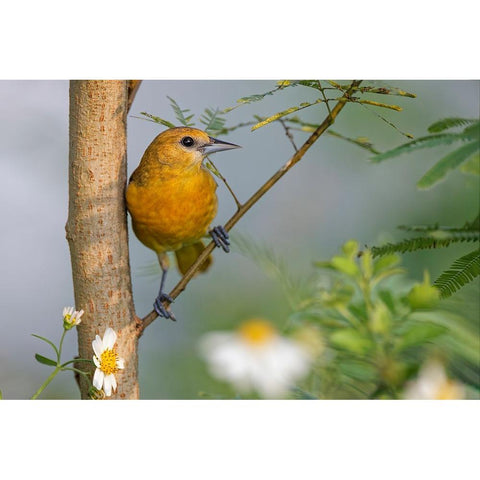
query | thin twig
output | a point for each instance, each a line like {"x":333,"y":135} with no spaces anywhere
{"x":324,"y":97}
{"x":217,"y":172}
{"x":288,"y":134}
{"x":148,"y":319}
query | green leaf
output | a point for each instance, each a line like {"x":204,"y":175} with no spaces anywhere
{"x":472,"y":165}
{"x":302,"y":394}
{"x":260,"y":96}
{"x":387,"y":298}
{"x":362,"y":371}
{"x":180,"y":114}
{"x":367,"y":264}
{"x":286,"y":112}
{"x":462,"y":271}
{"x":345,"y":265}
{"x":350,"y":248}
{"x":379,"y":90}
{"x":422,"y":243}
{"x":48,"y":341}
{"x":156,"y":119}
{"x":447,"y":123}
{"x":362,"y":142}
{"x":351,"y":340}
{"x":386,"y":262}
{"x":450,"y":162}
{"x":213,"y":121}
{"x":45,"y":360}
{"x":473,"y":132}
{"x":429,"y":141}
{"x":418,"y":333}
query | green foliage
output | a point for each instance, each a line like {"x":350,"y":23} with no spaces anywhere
{"x":419,"y":143}
{"x":156,"y":119}
{"x":46,"y":361}
{"x":376,"y":335}
{"x":447,"y":163}
{"x":213,"y":121}
{"x":467,"y":152}
{"x":334,"y":88}
{"x":466,"y":158}
{"x":448,"y":123}
{"x":472,"y":166}
{"x":437,"y":239}
{"x":462,"y":271}
{"x":180,"y":114}
{"x":286,"y":112}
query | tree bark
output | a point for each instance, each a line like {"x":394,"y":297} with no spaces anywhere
{"x":97,"y":225}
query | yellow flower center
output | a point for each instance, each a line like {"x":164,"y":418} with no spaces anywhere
{"x":67,"y":317}
{"x":448,"y":390}
{"x":257,"y":331}
{"x":108,"y":361}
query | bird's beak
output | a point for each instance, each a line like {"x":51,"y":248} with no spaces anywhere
{"x":216,"y":145}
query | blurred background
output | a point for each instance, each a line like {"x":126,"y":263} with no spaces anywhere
{"x":332,"y":195}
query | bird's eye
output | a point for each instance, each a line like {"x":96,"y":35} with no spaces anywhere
{"x":187,"y":141}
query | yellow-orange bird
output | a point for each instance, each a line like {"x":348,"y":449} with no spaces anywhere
{"x":171,"y":198}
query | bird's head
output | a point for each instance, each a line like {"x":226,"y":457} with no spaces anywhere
{"x":186,"y":147}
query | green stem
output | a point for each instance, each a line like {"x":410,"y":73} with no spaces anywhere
{"x":61,"y":344}
{"x":75,"y":360}
{"x":58,"y":368}
{"x":46,"y":382}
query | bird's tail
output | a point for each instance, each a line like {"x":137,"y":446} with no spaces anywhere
{"x":187,"y":255}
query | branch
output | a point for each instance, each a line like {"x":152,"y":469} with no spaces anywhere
{"x":132,"y":89}
{"x":242,"y":209}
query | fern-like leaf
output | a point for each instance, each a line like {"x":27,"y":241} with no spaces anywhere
{"x":449,"y":162}
{"x":423,"y":243}
{"x":286,"y":112}
{"x":180,"y":114}
{"x":282,"y":84}
{"x":423,"y":142}
{"x":374,"y":89}
{"x":213,"y":121}
{"x":155,"y":119}
{"x":468,"y":227}
{"x":447,"y":123}
{"x":473,"y":132}
{"x":472,"y":166}
{"x":462,"y":271}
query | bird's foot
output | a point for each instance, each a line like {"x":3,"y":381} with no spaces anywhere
{"x":221,"y":238}
{"x":161,"y":309}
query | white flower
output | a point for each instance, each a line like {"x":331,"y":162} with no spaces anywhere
{"x":432,"y":383}
{"x":107,"y":362}
{"x":71,"y":317}
{"x":255,"y":357}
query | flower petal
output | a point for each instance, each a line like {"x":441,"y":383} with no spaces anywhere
{"x":107,"y":385}
{"x":121,"y":363}
{"x":97,"y":346}
{"x":98,"y":378}
{"x":109,"y":338}
{"x":96,"y":361}
{"x":113,"y":381}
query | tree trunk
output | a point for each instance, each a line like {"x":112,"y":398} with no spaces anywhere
{"x":97,"y":224}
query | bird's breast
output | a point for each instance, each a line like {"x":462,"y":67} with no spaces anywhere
{"x":168,"y":213}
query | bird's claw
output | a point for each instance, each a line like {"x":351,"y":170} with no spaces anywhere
{"x":160,"y":308}
{"x":221,"y":238}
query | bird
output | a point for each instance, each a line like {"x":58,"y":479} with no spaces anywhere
{"x":172,"y":201}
